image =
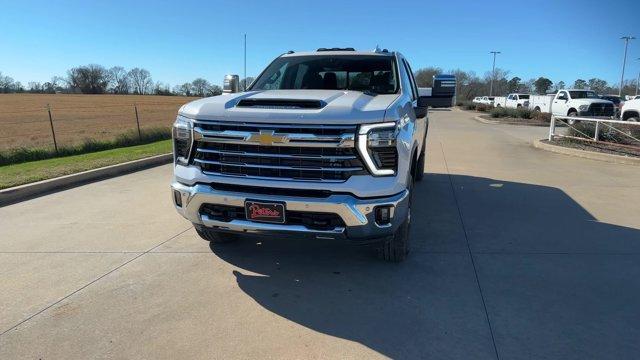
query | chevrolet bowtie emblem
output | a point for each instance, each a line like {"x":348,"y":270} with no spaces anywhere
{"x":267,"y":137}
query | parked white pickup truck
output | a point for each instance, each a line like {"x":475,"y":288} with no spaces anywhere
{"x":541,"y":103}
{"x":512,"y":101}
{"x":578,"y":102}
{"x":485,"y":100}
{"x":631,"y":110}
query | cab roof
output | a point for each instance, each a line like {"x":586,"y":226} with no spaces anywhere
{"x":339,"y":52}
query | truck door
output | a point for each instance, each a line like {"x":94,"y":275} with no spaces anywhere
{"x":560,"y":104}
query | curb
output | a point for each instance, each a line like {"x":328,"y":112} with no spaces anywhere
{"x":485,"y":121}
{"x":616,"y":159}
{"x":29,"y":191}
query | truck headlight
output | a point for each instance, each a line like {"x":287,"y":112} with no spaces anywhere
{"x":377,"y":146}
{"x":583,"y":107}
{"x":182,"y":139}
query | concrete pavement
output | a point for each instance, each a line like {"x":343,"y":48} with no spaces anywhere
{"x":518,"y":253}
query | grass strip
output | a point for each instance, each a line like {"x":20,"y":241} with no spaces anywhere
{"x":129,"y":138}
{"x":28,"y":172}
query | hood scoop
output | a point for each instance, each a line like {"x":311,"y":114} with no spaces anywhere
{"x":293,"y":104}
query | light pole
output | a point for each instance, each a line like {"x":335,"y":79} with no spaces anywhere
{"x":245,"y":62}
{"x":624,"y":60}
{"x":638,"y":81}
{"x":493,"y":71}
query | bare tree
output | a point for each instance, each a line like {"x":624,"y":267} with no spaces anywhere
{"x":248,"y":80}
{"x":7,"y":84}
{"x":199,"y":86}
{"x":88,"y":79}
{"x":213,"y":90}
{"x":580,"y":84}
{"x":424,"y":76}
{"x":119,"y":80}
{"x":141,"y":82}
{"x":186,"y":89}
{"x":57,"y":83}
{"x":35,"y":87}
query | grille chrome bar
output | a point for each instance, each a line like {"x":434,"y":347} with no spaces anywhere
{"x":282,"y":156}
{"x":290,"y":139}
{"x":257,"y":177}
{"x":277,"y":167}
{"x":280,"y":126}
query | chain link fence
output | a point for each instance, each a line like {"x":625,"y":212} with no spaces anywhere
{"x":55,"y":121}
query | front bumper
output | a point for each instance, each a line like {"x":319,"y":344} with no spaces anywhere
{"x":357,"y":214}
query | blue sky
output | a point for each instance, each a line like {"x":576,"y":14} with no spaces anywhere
{"x":181,"y":40}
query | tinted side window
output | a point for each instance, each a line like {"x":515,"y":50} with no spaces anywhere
{"x":414,"y":88}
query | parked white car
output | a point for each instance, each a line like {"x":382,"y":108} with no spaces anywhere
{"x":487,"y":100}
{"x":477,"y":100}
{"x":631,"y":110}
{"x":512,"y":101}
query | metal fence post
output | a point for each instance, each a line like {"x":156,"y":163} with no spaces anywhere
{"x":135,"y":107}
{"x":53,"y":133}
{"x":552,"y":127}
{"x":595,"y":135}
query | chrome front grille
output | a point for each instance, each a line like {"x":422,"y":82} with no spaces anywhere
{"x":286,"y":152}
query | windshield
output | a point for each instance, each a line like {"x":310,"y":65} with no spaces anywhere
{"x":583,"y":95}
{"x":336,"y":72}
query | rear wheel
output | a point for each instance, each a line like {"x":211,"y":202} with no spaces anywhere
{"x":633,"y":119}
{"x":214,"y":236}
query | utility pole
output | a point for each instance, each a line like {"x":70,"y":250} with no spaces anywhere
{"x":245,"y":62}
{"x":493,"y":71}
{"x":624,"y":60}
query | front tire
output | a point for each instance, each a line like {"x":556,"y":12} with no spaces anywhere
{"x":214,"y":236}
{"x":572,"y":114}
{"x":633,"y":119}
{"x":397,"y":246}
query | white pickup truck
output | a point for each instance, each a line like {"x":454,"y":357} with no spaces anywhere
{"x":578,"y":102}
{"x":631,"y":110}
{"x":573,"y":102}
{"x":512,"y":101}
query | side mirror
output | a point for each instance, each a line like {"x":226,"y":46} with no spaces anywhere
{"x":424,"y":101}
{"x":422,"y":109}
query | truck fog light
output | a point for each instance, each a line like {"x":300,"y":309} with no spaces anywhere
{"x":177,"y":198}
{"x":383,"y":214}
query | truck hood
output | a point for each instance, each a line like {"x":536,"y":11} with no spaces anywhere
{"x":591,"y":101}
{"x":292,"y":106}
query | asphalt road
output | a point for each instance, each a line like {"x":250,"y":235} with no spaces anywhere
{"x":518,"y":254}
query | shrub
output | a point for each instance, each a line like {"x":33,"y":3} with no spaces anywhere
{"x":523,"y":113}
{"x":89,"y":145}
{"x":483,"y":107}
{"x":468,"y":105}
{"x":499,"y":112}
{"x":541,"y":116}
{"x":519,"y":113}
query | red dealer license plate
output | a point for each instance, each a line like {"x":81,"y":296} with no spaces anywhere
{"x":264,"y":211}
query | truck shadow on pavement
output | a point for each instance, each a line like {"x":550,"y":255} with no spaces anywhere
{"x":430,"y":306}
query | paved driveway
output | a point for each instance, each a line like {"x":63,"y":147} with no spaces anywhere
{"x":518,"y":254}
